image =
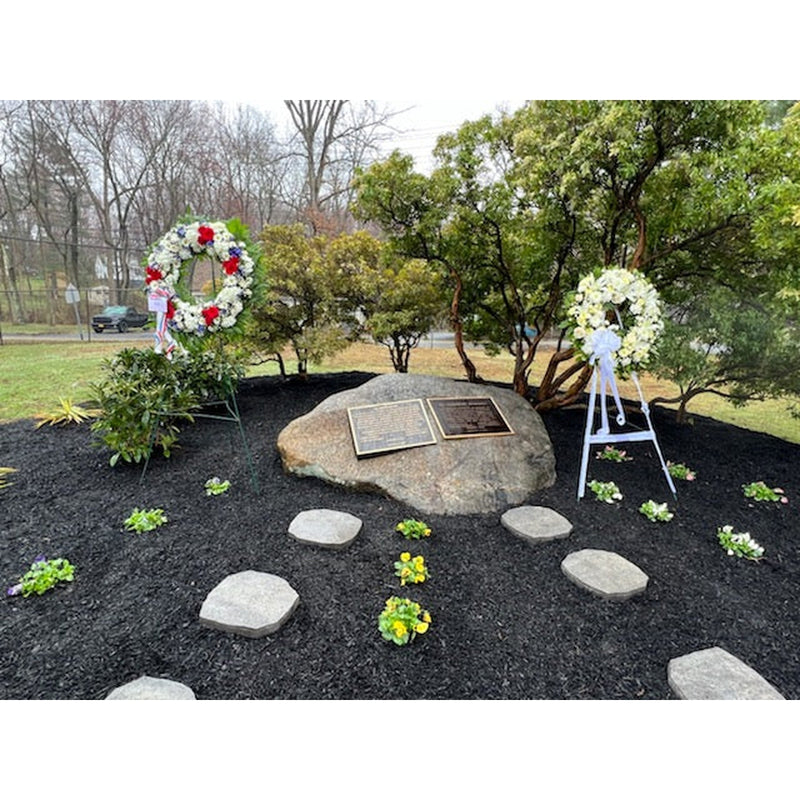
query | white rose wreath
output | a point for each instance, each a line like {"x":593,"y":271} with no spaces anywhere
{"x":163,"y":271}
{"x":633,"y":298}
{"x":615,"y":343}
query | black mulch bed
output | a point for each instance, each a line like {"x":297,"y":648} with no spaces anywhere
{"x":506,"y":621}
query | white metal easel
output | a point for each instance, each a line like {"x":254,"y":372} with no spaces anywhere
{"x":605,"y":343}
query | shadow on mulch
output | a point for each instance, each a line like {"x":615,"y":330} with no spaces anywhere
{"x":506,"y":622}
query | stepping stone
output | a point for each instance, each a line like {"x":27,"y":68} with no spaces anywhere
{"x":251,"y":603}
{"x":147,"y":688}
{"x":604,"y":573}
{"x":536,"y":523}
{"x":714,"y":674}
{"x":326,"y":528}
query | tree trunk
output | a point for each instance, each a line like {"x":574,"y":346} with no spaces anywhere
{"x":547,"y":397}
{"x":458,"y":331}
{"x":15,"y":307}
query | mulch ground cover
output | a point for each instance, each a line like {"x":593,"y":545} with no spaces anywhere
{"x":506,"y":622}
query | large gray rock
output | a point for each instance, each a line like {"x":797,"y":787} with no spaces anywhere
{"x":715,"y":674}
{"x":454,"y":476}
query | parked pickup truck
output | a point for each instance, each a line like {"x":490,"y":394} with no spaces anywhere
{"x":120,"y":318}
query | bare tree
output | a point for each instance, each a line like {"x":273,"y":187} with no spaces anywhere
{"x":333,"y":139}
{"x":10,"y":211}
{"x":251,"y":166}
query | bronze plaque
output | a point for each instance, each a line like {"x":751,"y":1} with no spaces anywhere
{"x":460,"y":417}
{"x":383,"y":427}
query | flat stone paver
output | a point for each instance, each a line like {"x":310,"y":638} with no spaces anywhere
{"x":326,"y":528}
{"x":147,"y":688}
{"x":604,"y":573}
{"x":715,"y":674}
{"x":536,"y":523}
{"x":250,"y":603}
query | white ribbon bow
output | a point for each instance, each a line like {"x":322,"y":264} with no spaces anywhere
{"x":605,"y":343}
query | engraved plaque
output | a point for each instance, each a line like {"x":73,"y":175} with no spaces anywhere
{"x":383,"y":427}
{"x":461,"y":417}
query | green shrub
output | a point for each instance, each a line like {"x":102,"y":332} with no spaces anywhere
{"x":141,"y":520}
{"x":43,"y":576}
{"x":144,"y":395}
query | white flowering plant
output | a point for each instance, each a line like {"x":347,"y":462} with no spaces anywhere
{"x":741,"y":545}
{"x":636,"y":315}
{"x":606,"y":491}
{"x":656,"y":512}
{"x":184,"y":243}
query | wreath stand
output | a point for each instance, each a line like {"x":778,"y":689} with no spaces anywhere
{"x":197,"y":238}
{"x":232,"y":408}
{"x":603,"y":377}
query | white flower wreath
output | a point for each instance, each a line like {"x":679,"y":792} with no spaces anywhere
{"x":184,"y":243}
{"x":630,"y":295}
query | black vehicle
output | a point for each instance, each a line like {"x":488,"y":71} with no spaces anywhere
{"x":120,"y":318}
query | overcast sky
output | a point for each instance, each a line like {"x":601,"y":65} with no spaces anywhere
{"x":420,"y":122}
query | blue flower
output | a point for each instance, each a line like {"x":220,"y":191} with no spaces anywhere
{"x":181,"y":231}
{"x":235,"y":251}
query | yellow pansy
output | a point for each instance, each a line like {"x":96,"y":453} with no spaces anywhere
{"x":405,"y":556}
{"x":421,"y":627}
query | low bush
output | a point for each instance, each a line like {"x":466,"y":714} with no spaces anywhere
{"x":144,"y":396}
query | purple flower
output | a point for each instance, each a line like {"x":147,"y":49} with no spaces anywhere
{"x":40,"y":557}
{"x":235,"y":252}
{"x":13,"y":590}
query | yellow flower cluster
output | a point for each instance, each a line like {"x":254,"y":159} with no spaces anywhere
{"x":411,"y":570}
{"x":413,"y":528}
{"x":402,"y":619}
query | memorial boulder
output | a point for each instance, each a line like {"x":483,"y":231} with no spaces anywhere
{"x":437,"y":474}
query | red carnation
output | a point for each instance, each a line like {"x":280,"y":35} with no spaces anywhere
{"x":153,"y":274}
{"x":170,"y":309}
{"x":231,"y":265}
{"x":205,"y":235}
{"x":210,"y":314}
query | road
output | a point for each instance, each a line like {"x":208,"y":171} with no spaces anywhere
{"x":436,"y":339}
{"x":132,"y":336}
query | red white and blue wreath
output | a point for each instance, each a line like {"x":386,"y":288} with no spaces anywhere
{"x":163,"y":272}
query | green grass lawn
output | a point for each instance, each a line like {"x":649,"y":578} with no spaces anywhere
{"x":33,"y":376}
